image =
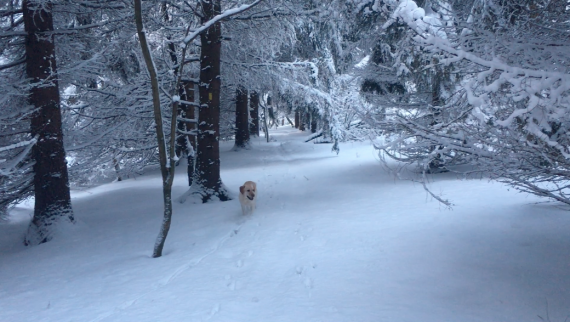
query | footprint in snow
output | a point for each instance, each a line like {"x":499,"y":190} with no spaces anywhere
{"x":309,"y":283}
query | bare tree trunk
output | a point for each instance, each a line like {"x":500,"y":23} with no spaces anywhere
{"x":271,"y":114}
{"x":314,"y":122}
{"x":297,"y":120}
{"x":242,"y":119}
{"x":254,"y":113}
{"x":207,"y":174}
{"x":189,"y":140}
{"x":181,"y":139}
{"x":117,"y":168}
{"x":51,"y":183}
{"x":437,"y":163}
{"x":166,"y":161}
{"x":289,"y":120}
{"x":265,"y":124}
{"x":302,"y":121}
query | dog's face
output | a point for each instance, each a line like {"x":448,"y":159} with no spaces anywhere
{"x":248,"y":190}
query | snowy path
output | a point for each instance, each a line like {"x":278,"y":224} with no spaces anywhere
{"x":334,"y":238}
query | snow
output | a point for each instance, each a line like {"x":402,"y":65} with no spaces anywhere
{"x":7,"y":167}
{"x":334,"y":238}
{"x":224,"y":15}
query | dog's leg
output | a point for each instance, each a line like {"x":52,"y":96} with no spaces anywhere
{"x":244,"y":209}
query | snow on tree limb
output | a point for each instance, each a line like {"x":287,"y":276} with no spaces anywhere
{"x":224,"y":15}
{"x":7,"y":166}
{"x":546,"y":92}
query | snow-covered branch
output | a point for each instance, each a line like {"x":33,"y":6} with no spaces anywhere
{"x":509,"y":114}
{"x":224,"y":15}
{"x":9,"y":165}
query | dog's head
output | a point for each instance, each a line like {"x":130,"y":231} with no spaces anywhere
{"x":248,"y":189}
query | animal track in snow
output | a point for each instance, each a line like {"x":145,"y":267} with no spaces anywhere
{"x":179,"y":270}
{"x":308,"y":282}
{"x":215,"y":309}
{"x":230,"y":284}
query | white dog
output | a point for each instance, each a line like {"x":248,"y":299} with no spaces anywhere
{"x":247,"y":197}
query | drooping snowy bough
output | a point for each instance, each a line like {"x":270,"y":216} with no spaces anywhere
{"x":507,"y":112}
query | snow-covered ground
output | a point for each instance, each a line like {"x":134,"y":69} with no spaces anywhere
{"x":334,"y":238}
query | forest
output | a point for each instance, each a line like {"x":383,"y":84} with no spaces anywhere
{"x":412,"y":160}
{"x":98,"y":89}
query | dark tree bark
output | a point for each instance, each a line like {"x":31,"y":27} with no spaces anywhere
{"x":181,"y":140}
{"x":242,"y":119}
{"x":436,"y":165}
{"x":185,"y":143}
{"x":51,"y":184}
{"x":254,"y":113}
{"x":289,"y":120}
{"x":207,"y":173}
{"x":301,"y":121}
{"x":297,"y":126}
{"x":265,"y":124}
{"x":271,"y":114}
{"x":117,"y":167}
{"x":313,"y":123}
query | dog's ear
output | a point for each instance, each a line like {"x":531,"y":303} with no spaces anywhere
{"x":242,"y":189}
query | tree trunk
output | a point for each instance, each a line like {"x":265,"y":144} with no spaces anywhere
{"x":313,"y":122}
{"x":181,"y":139}
{"x":254,"y":113}
{"x":189,"y":141}
{"x":186,"y":92}
{"x":51,"y":184}
{"x":289,"y":120}
{"x":270,"y":114}
{"x":297,"y":126}
{"x":207,"y":173}
{"x":265,"y":123}
{"x":166,"y":157}
{"x":301,"y":121}
{"x":437,"y":163}
{"x":242,"y":119}
{"x":185,"y":142}
{"x":117,"y":168}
